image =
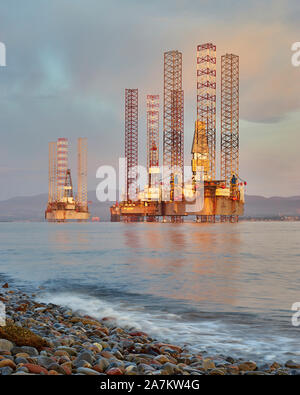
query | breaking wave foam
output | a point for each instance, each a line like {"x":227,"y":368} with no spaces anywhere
{"x":212,"y":336}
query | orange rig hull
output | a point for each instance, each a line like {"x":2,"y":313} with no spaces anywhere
{"x":63,"y":213}
{"x":228,"y":208}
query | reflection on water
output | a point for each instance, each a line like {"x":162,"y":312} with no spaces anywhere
{"x":131,"y":235}
{"x":64,"y":237}
{"x":198,"y":262}
{"x":153,"y":239}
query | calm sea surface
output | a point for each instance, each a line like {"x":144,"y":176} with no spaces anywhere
{"x":220,"y":288}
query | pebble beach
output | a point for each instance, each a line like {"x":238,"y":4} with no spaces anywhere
{"x":47,"y":339}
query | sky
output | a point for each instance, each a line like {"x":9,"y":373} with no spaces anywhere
{"x":69,"y":62}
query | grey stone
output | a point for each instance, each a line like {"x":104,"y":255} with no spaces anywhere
{"x":57,"y":368}
{"x":22,"y":369}
{"x":45,"y":361}
{"x":19,"y":360}
{"x":115,"y":364}
{"x":230,"y":360}
{"x":87,"y":371}
{"x":131,"y":370}
{"x":103,"y":363}
{"x":255,"y":373}
{"x":6,"y":345}
{"x":6,"y":371}
{"x":143,"y":368}
{"x":40,"y":309}
{"x":54,"y":342}
{"x":292,"y":365}
{"x":21,"y":373}
{"x":80,"y":363}
{"x":263,"y":367}
{"x":118,"y":355}
{"x":71,"y":351}
{"x":85,"y":356}
{"x":33,"y":352}
{"x":9,"y":357}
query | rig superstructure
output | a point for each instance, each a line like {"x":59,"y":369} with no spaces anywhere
{"x":62,"y":204}
{"x":222,"y":198}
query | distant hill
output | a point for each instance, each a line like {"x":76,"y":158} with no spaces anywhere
{"x":258,"y":206}
{"x":32,"y":208}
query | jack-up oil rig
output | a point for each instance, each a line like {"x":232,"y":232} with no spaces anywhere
{"x":223,"y":198}
{"x":62,"y":205}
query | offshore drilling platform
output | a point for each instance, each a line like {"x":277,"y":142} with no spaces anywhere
{"x":222,"y":198}
{"x":62,"y":205}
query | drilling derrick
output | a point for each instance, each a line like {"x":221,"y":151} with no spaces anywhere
{"x":131,"y":143}
{"x":62,"y":166}
{"x":52,"y":171}
{"x":153,"y":140}
{"x":206,"y":99}
{"x":173,"y":139}
{"x":177,"y":155}
{"x":229,"y":117}
{"x":230,"y":126}
{"x":82,"y":174}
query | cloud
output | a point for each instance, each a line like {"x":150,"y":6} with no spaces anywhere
{"x":69,"y":63}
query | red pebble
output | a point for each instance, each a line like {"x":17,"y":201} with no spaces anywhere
{"x":67,"y":370}
{"x":114,"y":371}
{"x":35,"y":368}
{"x":138,"y":334}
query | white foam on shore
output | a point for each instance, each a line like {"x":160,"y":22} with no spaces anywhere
{"x":213,"y":336}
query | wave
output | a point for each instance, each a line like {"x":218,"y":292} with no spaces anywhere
{"x":203,"y":335}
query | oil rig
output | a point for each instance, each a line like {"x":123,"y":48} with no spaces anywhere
{"x":62,"y":205}
{"x":164,"y":198}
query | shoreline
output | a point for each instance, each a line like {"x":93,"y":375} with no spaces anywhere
{"x":48,"y":339}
